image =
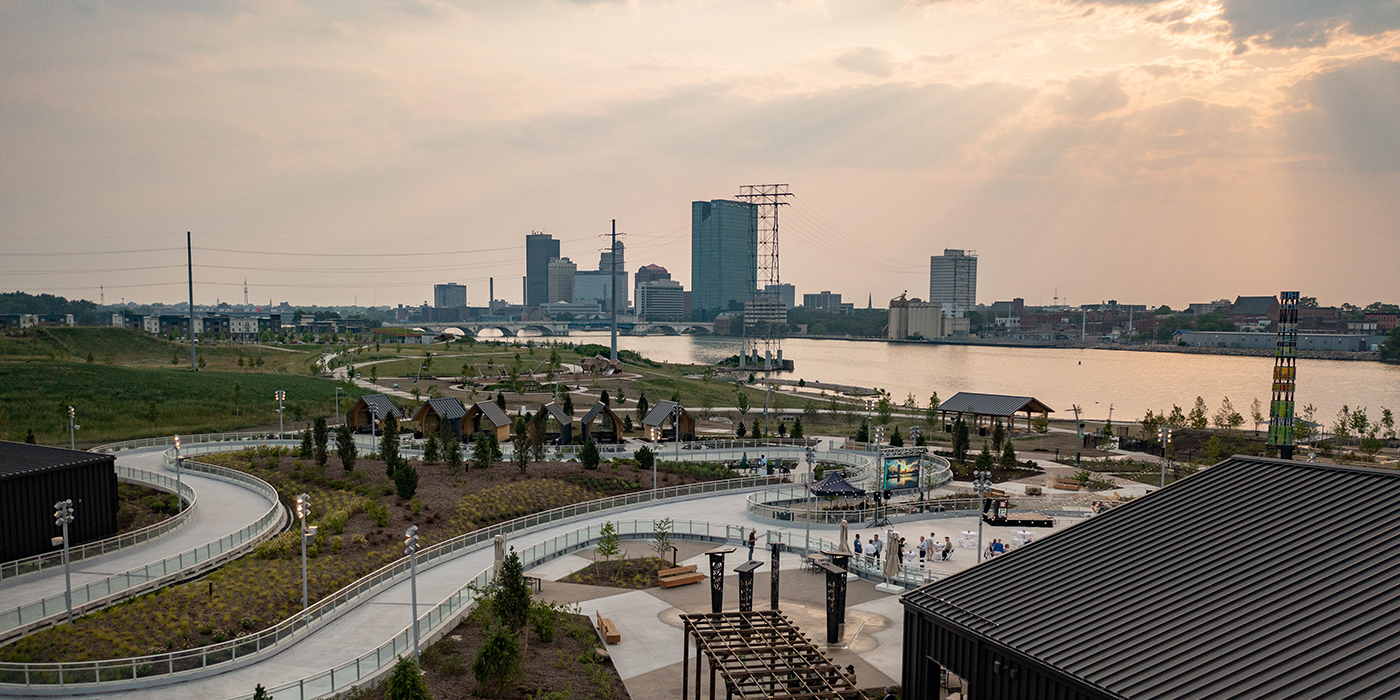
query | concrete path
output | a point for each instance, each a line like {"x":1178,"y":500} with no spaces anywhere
{"x":223,"y":508}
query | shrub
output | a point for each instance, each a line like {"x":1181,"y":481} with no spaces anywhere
{"x":406,"y":682}
{"x":589,"y":455}
{"x":378,"y":513}
{"x":308,"y":447}
{"x":510,"y":595}
{"x":645,"y":457}
{"x":345,"y":447}
{"x":497,"y":666}
{"x":405,"y":480}
{"x":321,"y":435}
{"x":432,"y":450}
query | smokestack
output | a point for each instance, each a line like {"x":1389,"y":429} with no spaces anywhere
{"x":491,"y":295}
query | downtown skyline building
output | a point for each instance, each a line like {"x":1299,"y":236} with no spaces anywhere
{"x":446,"y":296}
{"x":540,"y":249}
{"x":723,"y":256}
{"x":952,"y":280}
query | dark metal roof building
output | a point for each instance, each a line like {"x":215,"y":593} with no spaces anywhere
{"x":993,"y":406}
{"x":34,"y":477}
{"x":653,"y":425}
{"x":375,"y":407}
{"x":1254,"y":579}
{"x":565,"y":434}
{"x":434,"y":411}
{"x":500,"y":422}
{"x":610,"y":430}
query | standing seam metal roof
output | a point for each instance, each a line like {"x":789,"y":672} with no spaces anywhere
{"x":19,"y":459}
{"x":447,"y":409}
{"x":660,"y":412}
{"x":992,"y":404}
{"x":492,"y":412}
{"x":557,"y":412}
{"x":1255,"y":578}
{"x":380,"y":405}
{"x":599,"y":408}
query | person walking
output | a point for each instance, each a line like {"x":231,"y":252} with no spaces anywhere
{"x":753,"y":539}
{"x":856,"y":546}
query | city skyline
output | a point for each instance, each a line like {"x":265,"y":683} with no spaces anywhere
{"x":1159,"y":153}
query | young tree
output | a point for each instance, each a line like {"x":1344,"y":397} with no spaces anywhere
{"x":1341,"y":429}
{"x":998,"y":435}
{"x":642,"y":406}
{"x":345,"y":447}
{"x":496,"y":453}
{"x":501,"y":399}
{"x":645,"y":457}
{"x":152,"y":414}
{"x":782,"y":429}
{"x":589,"y":454}
{"x":931,"y":413}
{"x":1197,"y":419}
{"x":452,"y":455}
{"x":797,"y":431}
{"x":883,"y":411}
{"x":497,"y":666}
{"x":1008,"y":456}
{"x":1041,"y":424}
{"x":568,"y":404}
{"x":308,"y":445}
{"x":1176,"y":418}
{"x":1221,"y":419}
{"x":238,"y":398}
{"x":1360,"y":424}
{"x":520,"y":436}
{"x":405,"y":480}
{"x":481,"y":451}
{"x":536,"y":435}
{"x":661,"y":537}
{"x":962,"y":441}
{"x":510,"y":595}
{"x":432,"y":449}
{"x":608,"y":545}
{"x":741,"y":401}
{"x":389,"y":443}
{"x":621,"y":400}
{"x":1387,"y":423}
{"x":896,"y":439}
{"x":862,"y":433}
{"x":1256,"y":413}
{"x":985,"y":459}
{"x":321,"y":433}
{"x":1305,"y":428}
{"x":374,"y":371}
{"x":604,"y":398}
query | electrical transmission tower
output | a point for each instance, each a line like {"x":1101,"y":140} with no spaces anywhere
{"x":765,"y":199}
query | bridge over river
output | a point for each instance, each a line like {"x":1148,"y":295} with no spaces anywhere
{"x":511,"y":329}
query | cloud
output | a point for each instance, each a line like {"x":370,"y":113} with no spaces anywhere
{"x":1282,"y":24}
{"x":1350,"y":115}
{"x":870,"y":60}
{"x":1090,"y":96}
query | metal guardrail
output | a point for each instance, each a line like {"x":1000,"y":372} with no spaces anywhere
{"x":26,"y":618}
{"x":39,"y":562}
{"x":194,"y":662}
{"x":446,"y":614}
{"x":865,"y":567}
{"x":772,"y":505}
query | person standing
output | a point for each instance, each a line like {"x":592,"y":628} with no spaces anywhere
{"x":923,"y":551}
{"x":857,"y":546}
{"x":753,"y":539}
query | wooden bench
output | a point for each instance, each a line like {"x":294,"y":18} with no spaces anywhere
{"x":607,"y":629}
{"x":679,"y":576}
{"x":1065,"y":484}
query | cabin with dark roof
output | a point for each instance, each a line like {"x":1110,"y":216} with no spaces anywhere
{"x":495,"y":419}
{"x":35,"y":477}
{"x":654,"y":425}
{"x":609,"y":428}
{"x":558,"y":425}
{"x":1255,"y":579}
{"x":370,"y":410}
{"x":436,"y":412}
{"x":984,"y":409}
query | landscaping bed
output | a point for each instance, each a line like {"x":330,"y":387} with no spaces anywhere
{"x":621,"y":573}
{"x":142,"y":506}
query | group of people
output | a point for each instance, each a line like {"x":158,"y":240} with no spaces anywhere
{"x":929,"y":548}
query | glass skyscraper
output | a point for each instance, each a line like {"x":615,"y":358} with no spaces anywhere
{"x":723,"y":256}
{"x":540,"y":248}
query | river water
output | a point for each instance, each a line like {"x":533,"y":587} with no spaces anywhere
{"x":1131,"y":382}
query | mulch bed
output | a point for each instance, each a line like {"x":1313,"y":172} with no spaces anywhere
{"x":621,"y":573}
{"x":140,"y":506}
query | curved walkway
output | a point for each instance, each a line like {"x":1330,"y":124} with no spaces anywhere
{"x":224,"y":507}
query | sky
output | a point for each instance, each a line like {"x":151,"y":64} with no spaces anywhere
{"x":346,"y":152}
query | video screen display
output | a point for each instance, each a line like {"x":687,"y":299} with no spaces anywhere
{"x":901,"y":472}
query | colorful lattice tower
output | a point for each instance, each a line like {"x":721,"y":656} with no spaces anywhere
{"x":1285,"y":376}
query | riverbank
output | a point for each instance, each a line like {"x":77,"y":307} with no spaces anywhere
{"x":1368,"y":355}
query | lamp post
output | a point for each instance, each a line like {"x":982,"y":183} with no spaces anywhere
{"x":1165,"y":435}
{"x":62,"y":515}
{"x":337,"y":405}
{"x":303,"y":510}
{"x":676,"y":416}
{"x":411,"y":548}
{"x":72,"y":428}
{"x":179,"y":487}
{"x":1079,"y":428}
{"x":280,"y":396}
{"x":811,"y":462}
{"x":869,"y":406}
{"x":879,"y":436}
{"x":981,"y":481}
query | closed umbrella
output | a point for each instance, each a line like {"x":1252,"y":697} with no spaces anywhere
{"x":892,"y":563}
{"x":843,"y":547}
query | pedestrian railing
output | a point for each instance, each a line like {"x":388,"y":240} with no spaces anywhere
{"x":48,"y":560}
{"x":141,"y":671}
{"x":31,"y":616}
{"x":863,"y":566}
{"x":788,"y":505}
{"x":445,"y":615}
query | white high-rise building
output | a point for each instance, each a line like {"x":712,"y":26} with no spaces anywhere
{"x":952,"y":279}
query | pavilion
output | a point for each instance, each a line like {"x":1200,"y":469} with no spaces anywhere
{"x":985,"y":408}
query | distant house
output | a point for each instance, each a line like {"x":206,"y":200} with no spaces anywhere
{"x":370,"y":410}
{"x":433,"y":413}
{"x":496,"y":419}
{"x":609,"y":429}
{"x":559,"y":426}
{"x":1253,"y":313}
{"x":654,"y":425}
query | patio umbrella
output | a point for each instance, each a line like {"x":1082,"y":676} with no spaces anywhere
{"x":892,"y":563}
{"x":500,"y":550}
{"x":845,"y":535}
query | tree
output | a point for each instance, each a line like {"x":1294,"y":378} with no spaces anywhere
{"x":29,"y":437}
{"x":883,"y":411}
{"x":589,"y":454}
{"x":862,"y":433}
{"x":497,"y":666}
{"x":608,"y":545}
{"x":1256,"y":413}
{"x":1221,"y":419}
{"x":405,"y":480}
{"x":308,"y":445}
{"x":931,"y":413}
{"x":1197,"y":418}
{"x":374,"y":370}
{"x":962,"y":441}
{"x":1008,"y":456}
{"x":1176,"y":418}
{"x":782,"y":429}
{"x":645,"y":457}
{"x":321,"y":434}
{"x":607,"y":401}
{"x":621,"y":399}
{"x":568,"y":404}
{"x":1390,"y":349}
{"x":510,"y":595}
{"x":1304,"y":429}
{"x":661,"y":537}
{"x":1341,"y":429}
{"x":152,"y":413}
{"x":1387,"y":423}
{"x":520,"y":435}
{"x":481,"y":451}
{"x":345,"y":447}
{"x":260,"y":693}
{"x":642,"y":406}
{"x":389,"y":443}
{"x":1360,"y":424}
{"x":797,"y":433}
{"x":985,"y":459}
{"x":237,"y":398}
{"x":452,"y":455}
{"x":741,"y":401}
{"x":536,"y":435}
{"x":1041,"y":424}
{"x":501,"y":399}
{"x":432,"y":449}
{"x":896,"y":439}
{"x":998,"y":435}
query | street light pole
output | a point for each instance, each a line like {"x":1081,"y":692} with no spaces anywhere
{"x":981,"y":481}
{"x":179,"y":486}
{"x":281,"y":428}
{"x":72,"y":437}
{"x":1079,"y":428}
{"x":1165,"y":435}
{"x":411,"y":548}
{"x":63,"y":514}
{"x":337,"y":405}
{"x":811,"y":461}
{"x":676,"y":416}
{"x":303,"y":510}
{"x":869,"y":406}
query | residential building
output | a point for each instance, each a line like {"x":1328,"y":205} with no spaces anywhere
{"x":723,"y":256}
{"x":1322,"y":318}
{"x":1384,"y":321}
{"x":540,"y":248}
{"x":915,"y":318}
{"x":953,"y":279}
{"x":1253,"y":313}
{"x":785,"y":292}
{"x":449,"y":295}
{"x":766,"y":309}
{"x":561,"y":281}
{"x":825,"y":301}
{"x":661,"y":300}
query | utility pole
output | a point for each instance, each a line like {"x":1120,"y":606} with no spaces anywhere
{"x":613,"y":271}
{"x":766,"y":199}
{"x":189,"y":266}
{"x":981,"y":481}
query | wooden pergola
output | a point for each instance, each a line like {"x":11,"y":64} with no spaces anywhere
{"x":984,"y":408}
{"x":761,"y":655}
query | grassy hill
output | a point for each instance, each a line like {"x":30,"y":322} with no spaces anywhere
{"x":125,"y":347}
{"x":115,"y":403}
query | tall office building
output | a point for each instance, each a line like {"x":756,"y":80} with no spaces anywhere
{"x":723,"y":256}
{"x":785,"y":292}
{"x":661,"y":300}
{"x":446,"y":296}
{"x":561,"y":280}
{"x":540,"y":248}
{"x":952,"y":279}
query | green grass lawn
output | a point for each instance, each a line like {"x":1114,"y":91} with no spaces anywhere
{"x":113,"y":402}
{"x":129,"y":348}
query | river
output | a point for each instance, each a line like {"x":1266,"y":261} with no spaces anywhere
{"x":1130,"y":382}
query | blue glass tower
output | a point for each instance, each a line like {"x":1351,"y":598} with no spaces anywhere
{"x":723,"y":256}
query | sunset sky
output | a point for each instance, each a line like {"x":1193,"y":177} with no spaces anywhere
{"x":342,"y":151}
